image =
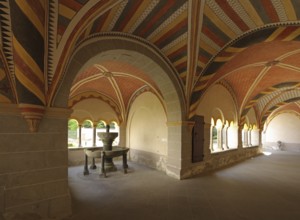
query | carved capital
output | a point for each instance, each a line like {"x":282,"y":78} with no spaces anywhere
{"x":33,"y":114}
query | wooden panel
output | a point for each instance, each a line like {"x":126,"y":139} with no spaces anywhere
{"x":198,"y":139}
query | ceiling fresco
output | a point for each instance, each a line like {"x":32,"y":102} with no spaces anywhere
{"x":252,"y":47}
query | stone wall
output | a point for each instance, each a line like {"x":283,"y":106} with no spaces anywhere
{"x":33,"y":166}
{"x":220,"y":160}
{"x":148,"y":159}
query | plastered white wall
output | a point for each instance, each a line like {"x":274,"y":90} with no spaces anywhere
{"x":217,"y":97}
{"x":93,"y":109}
{"x":285,"y":128}
{"x":147,"y":128}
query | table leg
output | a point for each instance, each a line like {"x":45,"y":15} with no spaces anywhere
{"x":125,"y":165}
{"x":93,"y":165}
{"x":86,"y":169}
{"x":103,"y":165}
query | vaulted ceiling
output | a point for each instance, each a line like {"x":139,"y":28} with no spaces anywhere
{"x":250,"y":47}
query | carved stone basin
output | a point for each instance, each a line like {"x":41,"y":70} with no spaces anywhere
{"x":94,"y":152}
{"x":107,"y":139}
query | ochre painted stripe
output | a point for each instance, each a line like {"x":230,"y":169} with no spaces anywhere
{"x":42,"y":3}
{"x":183,"y":59}
{"x":2,"y":74}
{"x":270,"y":10}
{"x":171,"y":32}
{"x":252,"y":12}
{"x":286,"y":33}
{"x":222,"y":59}
{"x":65,"y":11}
{"x":219,"y":23}
{"x":26,"y":70}
{"x":136,"y":15}
{"x":109,"y":18}
{"x":235,"y":49}
{"x":155,"y":18}
{"x":293,"y":35}
{"x":289,"y":9}
{"x":27,"y":10}
{"x":73,"y":5}
{"x":4,"y":99}
{"x":215,"y":38}
{"x":28,"y":59}
{"x":275,"y":34}
{"x":29,"y":84}
{"x":178,"y":20}
{"x":208,"y":48}
{"x":232,"y":15}
{"x":175,"y":47}
{"x":129,"y":14}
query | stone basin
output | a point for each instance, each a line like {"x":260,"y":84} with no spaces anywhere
{"x":107,"y":139}
{"x":94,"y":152}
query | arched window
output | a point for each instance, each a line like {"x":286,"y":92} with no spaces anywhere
{"x":87,"y":134}
{"x":232,"y":136}
{"x":101,"y":127}
{"x":245,"y":135}
{"x":73,"y":138}
{"x":114,"y":127}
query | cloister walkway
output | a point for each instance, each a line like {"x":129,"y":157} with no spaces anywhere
{"x":261,"y":188}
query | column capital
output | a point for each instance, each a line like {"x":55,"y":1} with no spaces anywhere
{"x":33,"y":114}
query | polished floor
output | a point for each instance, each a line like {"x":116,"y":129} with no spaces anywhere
{"x":261,"y":188}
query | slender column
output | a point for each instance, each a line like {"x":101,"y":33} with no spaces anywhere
{"x":250,"y":138}
{"x":220,"y":138}
{"x":211,"y":140}
{"x":240,"y":141}
{"x":94,"y":135}
{"x":79,"y":141}
{"x":225,"y":138}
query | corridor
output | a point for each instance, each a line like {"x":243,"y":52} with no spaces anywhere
{"x":261,"y":188}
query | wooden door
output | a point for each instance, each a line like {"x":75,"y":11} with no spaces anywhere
{"x":198,"y":139}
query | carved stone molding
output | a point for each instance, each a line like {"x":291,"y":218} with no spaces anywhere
{"x":33,"y":115}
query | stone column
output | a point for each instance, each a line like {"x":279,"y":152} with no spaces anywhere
{"x":225,"y":138}
{"x":240,"y":141}
{"x":94,"y":134}
{"x":250,"y":137}
{"x":122,"y":134}
{"x":179,"y":148}
{"x":220,"y":138}
{"x":79,"y":135}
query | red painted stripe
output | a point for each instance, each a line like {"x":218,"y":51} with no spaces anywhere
{"x":101,"y":20}
{"x":157,"y":17}
{"x":38,"y":9}
{"x":232,"y":15}
{"x":177,"y":52}
{"x":169,"y":34}
{"x":129,"y":14}
{"x":61,"y":29}
{"x":270,"y":10}
{"x":215,"y":38}
{"x":71,"y":4}
{"x":287,"y":31}
{"x":181,"y":65}
{"x":63,"y":56}
{"x":203,"y":59}
{"x":225,"y":54}
{"x":27,"y":71}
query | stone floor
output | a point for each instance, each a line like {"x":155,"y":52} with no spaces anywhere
{"x":261,"y":188}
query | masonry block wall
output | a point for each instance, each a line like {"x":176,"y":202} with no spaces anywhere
{"x":33,"y":166}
